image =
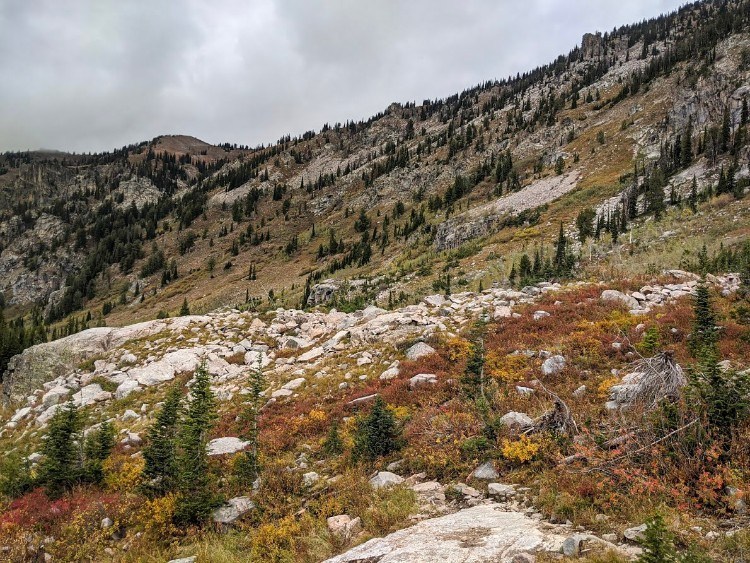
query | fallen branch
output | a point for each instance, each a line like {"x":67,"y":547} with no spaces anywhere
{"x":655,"y":442}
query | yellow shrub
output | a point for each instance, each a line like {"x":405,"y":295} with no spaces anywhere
{"x":80,"y":538}
{"x":317,"y":416}
{"x":156,"y":517}
{"x":457,"y":349}
{"x":401,"y":413}
{"x":276,"y":541}
{"x":604,"y":387}
{"x":507,"y":368}
{"x":122,"y":473}
{"x":522,"y":450}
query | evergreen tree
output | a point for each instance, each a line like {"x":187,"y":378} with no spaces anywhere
{"x":693,"y":199}
{"x":561,"y":255}
{"x":657,"y":543}
{"x":61,"y":468}
{"x":377,"y":434}
{"x":363,"y":222}
{"x":248,"y":468}
{"x":160,"y":453}
{"x":705,"y":332}
{"x":185,"y":309}
{"x":724,"y":393}
{"x":585,"y":224}
{"x":726,"y":131}
{"x":333,"y":445}
{"x":98,"y":446}
{"x":196,"y":498}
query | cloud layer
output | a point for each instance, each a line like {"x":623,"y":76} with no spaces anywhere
{"x":91,"y":75}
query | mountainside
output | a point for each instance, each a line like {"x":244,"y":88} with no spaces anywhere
{"x":644,"y":105}
{"x":543,"y":281}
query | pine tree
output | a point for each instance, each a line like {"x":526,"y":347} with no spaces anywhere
{"x":61,"y":468}
{"x":377,"y":434}
{"x":185,"y":309}
{"x":98,"y":446}
{"x":561,"y":253}
{"x":160,"y":453}
{"x":705,"y":332}
{"x":333,"y":445}
{"x":726,"y":131}
{"x":657,"y":543}
{"x":196,"y":498}
{"x":248,"y":466}
{"x":693,"y":199}
{"x":723,"y":392}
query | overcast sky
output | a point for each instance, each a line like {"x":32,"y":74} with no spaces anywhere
{"x":92,"y":75}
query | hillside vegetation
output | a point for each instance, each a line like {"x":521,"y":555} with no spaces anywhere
{"x":531,"y":297}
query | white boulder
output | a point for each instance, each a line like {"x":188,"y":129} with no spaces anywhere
{"x":419,"y":350}
{"x":224,"y":446}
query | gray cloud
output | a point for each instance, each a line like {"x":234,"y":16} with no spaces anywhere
{"x":91,"y":75}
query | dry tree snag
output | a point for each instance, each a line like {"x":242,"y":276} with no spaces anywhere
{"x":558,"y":421}
{"x":651,"y":381}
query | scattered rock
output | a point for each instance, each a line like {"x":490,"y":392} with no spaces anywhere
{"x":516,"y":420}
{"x":130,"y":415}
{"x":55,"y":395}
{"x":485,"y":472}
{"x":392,"y":371}
{"x":344,"y":527}
{"x":91,"y":394}
{"x":614,"y":295}
{"x":500,"y":491}
{"x":635,"y":534}
{"x":385,"y":479}
{"x":126,"y":388}
{"x":419,"y":350}
{"x":294,"y":383}
{"x":553,"y":365}
{"x":422,"y":379}
{"x":224,"y":446}
{"x":232,"y":510}
{"x":309,"y":479}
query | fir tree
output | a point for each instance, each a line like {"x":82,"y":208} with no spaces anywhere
{"x":377,"y":434}
{"x":693,"y":199}
{"x":726,"y":131}
{"x":185,"y":309}
{"x":196,"y":499}
{"x":160,"y":453}
{"x":704,"y":337}
{"x":60,"y":468}
{"x":248,"y":468}
{"x":333,"y":445}
{"x":657,"y":543}
{"x":98,"y":446}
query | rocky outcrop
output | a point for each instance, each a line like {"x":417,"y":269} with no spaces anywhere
{"x":481,"y":534}
{"x":322,"y":292}
{"x":44,"y":362}
{"x":591,"y":46}
{"x":482,"y":220}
